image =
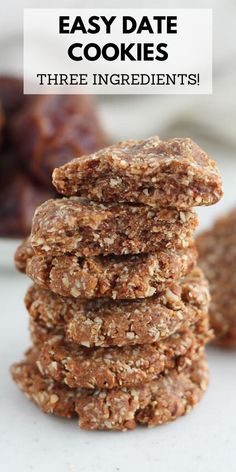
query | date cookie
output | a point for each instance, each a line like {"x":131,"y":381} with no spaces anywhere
{"x":116,"y":277}
{"x":217,"y":251}
{"x":173,"y":173}
{"x":126,"y":366}
{"x":103,"y":322}
{"x":162,"y":400}
{"x":83,"y":228}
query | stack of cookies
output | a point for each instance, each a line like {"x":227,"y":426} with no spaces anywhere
{"x":119,"y":309}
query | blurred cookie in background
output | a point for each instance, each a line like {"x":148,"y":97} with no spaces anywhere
{"x":217,"y":251}
{"x":11,"y":94}
{"x":50,"y":129}
{"x":2,"y":120}
{"x":19,"y":197}
{"x":11,"y":100}
{"x":37,"y":134}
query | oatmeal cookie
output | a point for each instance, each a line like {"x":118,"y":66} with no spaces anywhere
{"x":155,"y":403}
{"x":162,"y":400}
{"x":82,"y":228}
{"x":103,"y":322}
{"x":126,"y":366}
{"x":47,"y":394}
{"x":173,"y":173}
{"x":23,"y":254}
{"x":217,"y":251}
{"x":117,"y":277}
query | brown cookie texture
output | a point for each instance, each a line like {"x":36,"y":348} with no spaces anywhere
{"x":126,"y":366}
{"x":160,"y":401}
{"x":173,"y":173}
{"x":23,"y":254}
{"x":116,"y":277}
{"x":103,"y":322}
{"x":217,"y":251}
{"x":47,"y":394}
{"x":39,"y":333}
{"x":84,"y":228}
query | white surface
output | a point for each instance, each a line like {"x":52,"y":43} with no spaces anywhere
{"x":203,"y":441}
{"x":7,"y":251}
